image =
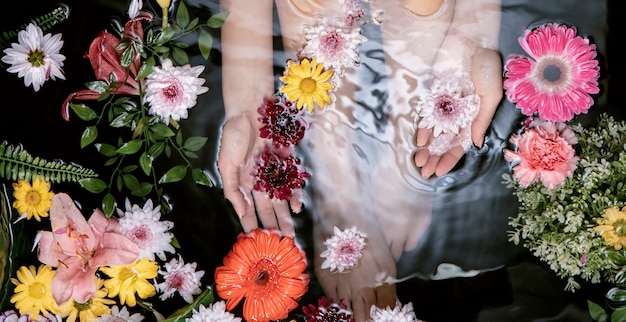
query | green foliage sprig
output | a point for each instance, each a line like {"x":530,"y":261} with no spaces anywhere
{"x":45,"y":22}
{"x":144,"y":139}
{"x":558,"y":225}
{"x":16,"y":163}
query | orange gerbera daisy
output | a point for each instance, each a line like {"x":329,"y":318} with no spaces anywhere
{"x":268,"y":270}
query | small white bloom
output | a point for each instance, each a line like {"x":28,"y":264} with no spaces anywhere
{"x":35,"y":57}
{"x":343,"y":250}
{"x":144,"y":227}
{"x":14,"y":316}
{"x":397,"y":314}
{"x":450,"y":105}
{"x":135,"y":6}
{"x":120,"y":315}
{"x":335,"y":46}
{"x":215,"y":312}
{"x":180,"y":277}
{"x":171,"y":90}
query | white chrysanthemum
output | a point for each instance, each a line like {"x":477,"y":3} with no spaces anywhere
{"x":334,"y":46}
{"x":14,"y":316}
{"x":144,"y":227}
{"x":120,"y":315}
{"x":343,"y":250}
{"x":398,"y":314}
{"x":215,"y":312}
{"x":171,"y":90}
{"x":180,"y":277}
{"x":35,"y":56}
{"x":450,"y":105}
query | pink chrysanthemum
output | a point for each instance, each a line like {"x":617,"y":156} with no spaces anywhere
{"x":354,"y":12}
{"x":343,"y":250}
{"x":399,"y":313}
{"x":328,"y":311}
{"x":278,"y":173}
{"x":146,"y":229}
{"x":171,"y":90}
{"x":180,"y":277}
{"x":558,"y":78}
{"x":334,"y":46}
{"x":544,"y":152}
{"x":283,"y":122}
{"x":35,"y":56}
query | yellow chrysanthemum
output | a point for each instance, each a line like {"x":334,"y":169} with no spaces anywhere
{"x":126,"y":280}
{"x":612,"y":227}
{"x":307,"y":82}
{"x":32,"y":291}
{"x":90,"y":310}
{"x":32,"y":200}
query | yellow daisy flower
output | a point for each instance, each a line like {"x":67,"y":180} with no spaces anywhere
{"x":32,"y":200}
{"x":126,"y":280}
{"x":32,"y":291}
{"x":612,"y":227}
{"x":90,"y":310}
{"x":307,"y":82}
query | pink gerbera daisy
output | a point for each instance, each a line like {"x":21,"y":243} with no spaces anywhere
{"x":283,"y":122}
{"x":278,"y":173}
{"x":558,"y":78}
{"x":544,"y":152}
{"x":328,"y":310}
{"x":343,"y":250}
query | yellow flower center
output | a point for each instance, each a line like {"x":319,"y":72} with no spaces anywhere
{"x":126,"y":273}
{"x":33,"y":197}
{"x":620,"y":227}
{"x":36,"y":290}
{"x":308,"y":85}
{"x":36,"y":58}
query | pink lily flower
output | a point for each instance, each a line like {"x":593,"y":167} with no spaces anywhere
{"x":77,"y":248}
{"x":105,"y":61}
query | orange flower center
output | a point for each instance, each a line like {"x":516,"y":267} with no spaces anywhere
{"x":308,"y":85}
{"x":36,"y":290}
{"x":264,"y":275}
{"x":33,"y":197}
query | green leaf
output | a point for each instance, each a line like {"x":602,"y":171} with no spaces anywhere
{"x":145,"y":162}
{"x":179,"y":138}
{"x":146,"y":68}
{"x":93,"y":185}
{"x":205,"y":298}
{"x":180,"y":56}
{"x":89,"y":135}
{"x":156,"y":149}
{"x":161,"y":131}
{"x":144,"y":189}
{"x":205,"y":43}
{"x":217,"y":20}
{"x":108,"y":205}
{"x":596,"y":311}
{"x":121,"y":120}
{"x":127,"y":57}
{"x":182,"y":15}
{"x":106,"y":149}
{"x":201,"y":177}
{"x":131,"y":182}
{"x":616,"y":294}
{"x":617,"y":258}
{"x":174,"y":174}
{"x":619,"y":315}
{"x":129,"y":147}
{"x":97,"y":86}
{"x":165,"y":36}
{"x":194,"y":143}
{"x":190,"y":155}
{"x":83,"y":111}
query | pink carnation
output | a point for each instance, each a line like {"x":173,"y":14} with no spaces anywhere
{"x":544,"y":152}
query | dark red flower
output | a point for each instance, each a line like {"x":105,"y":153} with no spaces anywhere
{"x":327,"y":311}
{"x":278,"y":173}
{"x":283,"y":122}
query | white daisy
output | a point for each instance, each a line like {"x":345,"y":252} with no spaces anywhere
{"x":215,"y":312}
{"x":450,"y":105}
{"x":398,"y":314}
{"x":35,"y":56}
{"x":171,"y":90}
{"x":335,"y":46}
{"x":134,"y":7}
{"x":343,"y":250}
{"x":180,"y":277}
{"x":14,"y":316}
{"x":120,"y":315}
{"x":144,"y":227}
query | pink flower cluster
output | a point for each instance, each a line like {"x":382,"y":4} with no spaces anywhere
{"x":551,"y":86}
